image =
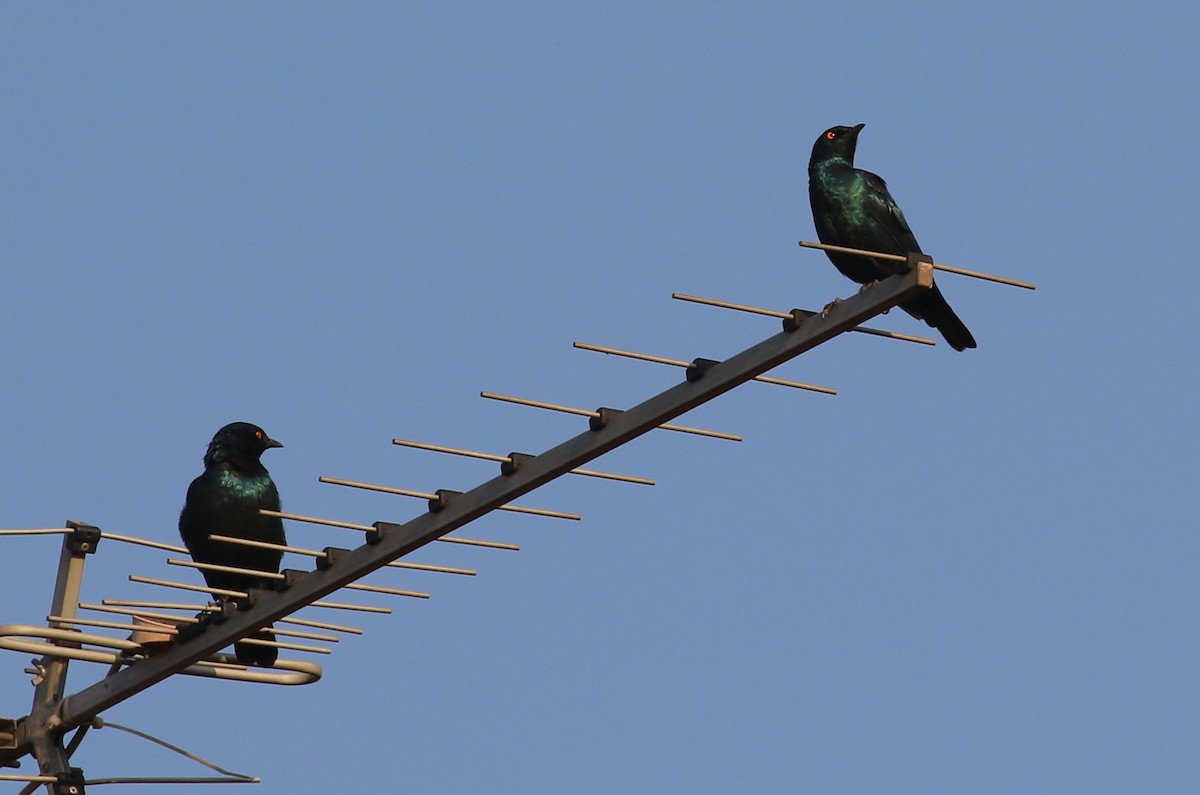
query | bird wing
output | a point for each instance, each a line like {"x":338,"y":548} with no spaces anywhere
{"x":887,"y":215}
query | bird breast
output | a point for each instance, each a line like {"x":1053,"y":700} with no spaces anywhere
{"x":244,"y":487}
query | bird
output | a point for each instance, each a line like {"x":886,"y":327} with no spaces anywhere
{"x":225,"y":500}
{"x":853,"y":208}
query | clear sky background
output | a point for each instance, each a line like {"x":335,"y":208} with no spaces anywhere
{"x":966,"y":572}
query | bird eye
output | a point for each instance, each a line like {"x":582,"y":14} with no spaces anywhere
{"x":258,"y":434}
{"x":831,"y":135}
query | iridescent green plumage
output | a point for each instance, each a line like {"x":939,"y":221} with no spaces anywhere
{"x":226,"y":500}
{"x":853,"y":208}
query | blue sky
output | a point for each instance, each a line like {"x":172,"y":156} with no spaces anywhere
{"x":966,"y":572}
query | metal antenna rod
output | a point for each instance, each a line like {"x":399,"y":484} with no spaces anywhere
{"x":366,"y":528}
{"x":305,"y":622}
{"x":538,"y":404}
{"x":427,"y":496}
{"x":313,"y":553}
{"x":508,"y":459}
{"x":129,"y":611}
{"x":294,"y":633}
{"x":145,"y":543}
{"x":120,"y":605}
{"x":758,"y":310}
{"x":344,"y":606}
{"x":291,"y":633}
{"x":242,"y":594}
{"x":156,"y":605}
{"x":183,"y":586}
{"x":253,"y":641}
{"x":125,"y":607}
{"x":646,"y":357}
{"x":390,"y":541}
{"x":270,"y":575}
{"x":936,"y":265}
{"x":90,"y":622}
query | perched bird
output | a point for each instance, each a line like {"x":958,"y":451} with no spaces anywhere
{"x":225,"y":500}
{"x":853,"y":208}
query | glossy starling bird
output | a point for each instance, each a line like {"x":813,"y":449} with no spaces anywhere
{"x":225,"y":500}
{"x":853,"y":208}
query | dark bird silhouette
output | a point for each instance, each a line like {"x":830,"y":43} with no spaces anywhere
{"x":853,"y":208}
{"x":225,"y":500}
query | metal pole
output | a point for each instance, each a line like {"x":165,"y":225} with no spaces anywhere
{"x":43,"y":729}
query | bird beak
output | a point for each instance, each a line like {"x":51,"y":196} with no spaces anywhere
{"x":857,"y":129}
{"x":269,"y":443}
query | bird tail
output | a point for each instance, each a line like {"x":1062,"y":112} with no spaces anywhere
{"x":253,"y":654}
{"x":933,"y":309}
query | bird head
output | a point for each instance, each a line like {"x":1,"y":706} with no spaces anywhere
{"x":241,"y":444}
{"x":836,"y":143}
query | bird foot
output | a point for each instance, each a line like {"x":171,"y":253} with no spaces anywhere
{"x":867,"y":286}
{"x":829,"y":307}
